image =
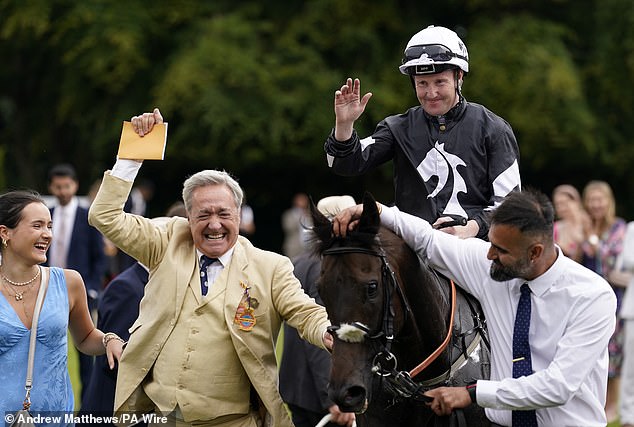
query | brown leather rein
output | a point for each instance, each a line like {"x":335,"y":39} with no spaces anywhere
{"x":428,"y":361}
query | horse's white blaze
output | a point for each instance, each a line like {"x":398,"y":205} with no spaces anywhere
{"x":351,"y":333}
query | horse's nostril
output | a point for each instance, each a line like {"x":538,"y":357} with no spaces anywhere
{"x":355,"y":396}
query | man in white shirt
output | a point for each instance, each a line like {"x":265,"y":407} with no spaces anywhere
{"x":572,"y":317}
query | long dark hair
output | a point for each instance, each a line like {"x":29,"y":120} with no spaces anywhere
{"x":13,"y":203}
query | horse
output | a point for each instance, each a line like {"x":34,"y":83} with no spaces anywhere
{"x":399,"y":328}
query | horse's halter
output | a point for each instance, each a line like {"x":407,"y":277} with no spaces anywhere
{"x":384,"y":362}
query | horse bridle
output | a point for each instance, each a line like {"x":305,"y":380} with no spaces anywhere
{"x":390,"y":284}
{"x":384,"y":363}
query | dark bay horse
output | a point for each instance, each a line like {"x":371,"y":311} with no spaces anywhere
{"x":398,"y":327}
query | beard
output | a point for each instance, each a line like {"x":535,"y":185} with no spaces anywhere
{"x":503,"y":273}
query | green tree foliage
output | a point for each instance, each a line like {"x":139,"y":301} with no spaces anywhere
{"x":534,"y":85}
{"x":248,"y":86}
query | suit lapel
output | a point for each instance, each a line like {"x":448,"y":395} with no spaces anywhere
{"x":188,"y":273}
{"x":237,"y":274}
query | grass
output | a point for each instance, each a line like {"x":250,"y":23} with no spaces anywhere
{"x":73,"y":369}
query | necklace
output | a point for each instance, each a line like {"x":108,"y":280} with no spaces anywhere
{"x":22,"y":283}
{"x":19,"y":296}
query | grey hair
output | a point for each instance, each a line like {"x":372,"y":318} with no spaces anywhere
{"x":211,"y":177}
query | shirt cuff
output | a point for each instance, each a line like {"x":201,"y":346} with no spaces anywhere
{"x":486,"y":393}
{"x":126,"y":169}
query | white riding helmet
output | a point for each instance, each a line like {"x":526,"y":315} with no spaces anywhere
{"x":434,"y":50}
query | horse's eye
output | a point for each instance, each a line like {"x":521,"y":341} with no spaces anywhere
{"x":373,"y":287}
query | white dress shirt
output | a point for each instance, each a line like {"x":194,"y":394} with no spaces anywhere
{"x":572,"y":319}
{"x":215,"y":268}
{"x":63,"y":223}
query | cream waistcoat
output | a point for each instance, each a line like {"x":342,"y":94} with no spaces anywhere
{"x":205,"y":384}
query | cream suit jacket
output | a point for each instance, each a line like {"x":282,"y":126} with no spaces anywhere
{"x":168,"y":251}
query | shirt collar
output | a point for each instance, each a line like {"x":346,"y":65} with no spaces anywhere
{"x":224,"y":259}
{"x":70,"y":207}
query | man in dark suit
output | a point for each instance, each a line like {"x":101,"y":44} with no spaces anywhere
{"x":76,"y":244}
{"x":305,"y":368}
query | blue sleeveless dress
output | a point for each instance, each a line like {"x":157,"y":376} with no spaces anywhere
{"x":52,"y":389}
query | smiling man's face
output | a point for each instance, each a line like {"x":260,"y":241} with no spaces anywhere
{"x":214,"y":220}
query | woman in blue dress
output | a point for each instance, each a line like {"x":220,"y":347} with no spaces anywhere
{"x":26,"y":234}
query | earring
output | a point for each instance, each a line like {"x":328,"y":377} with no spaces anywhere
{"x":4,"y":243}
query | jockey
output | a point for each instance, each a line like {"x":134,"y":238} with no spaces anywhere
{"x":452,"y":158}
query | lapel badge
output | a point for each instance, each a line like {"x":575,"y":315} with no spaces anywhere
{"x":245,"y":317}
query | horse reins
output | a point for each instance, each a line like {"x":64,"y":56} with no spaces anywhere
{"x":428,"y":361}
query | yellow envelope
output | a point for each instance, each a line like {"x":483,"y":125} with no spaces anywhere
{"x":148,"y":147}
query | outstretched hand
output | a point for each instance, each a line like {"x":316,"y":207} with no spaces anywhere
{"x":349,"y":105}
{"x":144,"y":123}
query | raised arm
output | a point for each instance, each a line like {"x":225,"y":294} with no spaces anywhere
{"x":348,"y":108}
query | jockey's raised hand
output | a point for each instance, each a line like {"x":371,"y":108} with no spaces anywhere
{"x":348,"y":108}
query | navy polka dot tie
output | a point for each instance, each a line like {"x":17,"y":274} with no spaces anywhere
{"x":522,"y":365}
{"x":205,"y":262}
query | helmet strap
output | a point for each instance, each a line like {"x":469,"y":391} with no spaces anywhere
{"x":458,"y":80}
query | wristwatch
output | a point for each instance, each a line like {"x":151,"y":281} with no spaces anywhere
{"x":471,"y":388}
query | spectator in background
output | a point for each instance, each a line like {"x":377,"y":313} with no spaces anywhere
{"x":572,"y":223}
{"x":625,"y":263}
{"x":118,"y":309}
{"x":247,"y":220}
{"x":602,"y":247}
{"x":77,"y":245}
{"x":452,"y":158}
{"x":295,"y":223}
{"x":305,"y":369}
{"x":141,"y":194}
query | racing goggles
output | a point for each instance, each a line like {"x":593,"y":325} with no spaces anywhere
{"x":435,"y":52}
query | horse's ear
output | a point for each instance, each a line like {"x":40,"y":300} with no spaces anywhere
{"x":370,"y":221}
{"x":322,"y":227}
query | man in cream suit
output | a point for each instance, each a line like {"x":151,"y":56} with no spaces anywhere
{"x":204,"y":355}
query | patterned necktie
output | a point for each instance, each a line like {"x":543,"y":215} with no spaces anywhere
{"x":205,"y":262}
{"x":522,"y":365}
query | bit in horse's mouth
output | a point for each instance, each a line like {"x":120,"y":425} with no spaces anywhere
{"x":365,"y":407}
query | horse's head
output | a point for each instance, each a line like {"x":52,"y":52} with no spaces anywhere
{"x":360,"y":301}
{"x":370,"y":281}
